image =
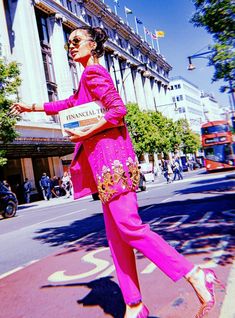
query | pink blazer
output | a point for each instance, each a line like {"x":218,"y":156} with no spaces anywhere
{"x":106,"y":162}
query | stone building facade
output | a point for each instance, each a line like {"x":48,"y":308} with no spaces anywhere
{"x":33,"y":33}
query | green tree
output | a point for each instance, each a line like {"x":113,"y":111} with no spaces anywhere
{"x":186,"y":139}
{"x":218,"y":19}
{"x":143,"y":133}
{"x":151,"y":132}
{"x":165,"y":128}
{"x":9,"y":82}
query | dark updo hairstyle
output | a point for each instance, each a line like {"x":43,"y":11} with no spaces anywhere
{"x":99,"y":36}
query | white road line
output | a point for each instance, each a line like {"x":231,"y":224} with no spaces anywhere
{"x":166,"y":200}
{"x":58,"y":217}
{"x":227,"y":310}
{"x":11,"y":272}
{"x":48,"y":220}
{"x":18,"y":268}
{"x":148,"y":207}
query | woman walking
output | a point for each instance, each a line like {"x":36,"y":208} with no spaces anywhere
{"x":104,"y":161}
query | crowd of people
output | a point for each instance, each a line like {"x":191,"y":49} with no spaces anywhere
{"x":172,"y":169}
{"x":54,"y":187}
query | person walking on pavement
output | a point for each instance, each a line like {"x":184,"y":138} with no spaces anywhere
{"x":66,"y":184}
{"x":176,"y":170}
{"x":45,"y":184}
{"x":167,"y":170}
{"x":104,"y":161}
{"x":27,"y":188}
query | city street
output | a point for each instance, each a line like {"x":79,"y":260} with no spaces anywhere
{"x":55,"y":261}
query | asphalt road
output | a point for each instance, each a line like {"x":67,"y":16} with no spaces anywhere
{"x":71,"y":272}
{"x":44,"y":227}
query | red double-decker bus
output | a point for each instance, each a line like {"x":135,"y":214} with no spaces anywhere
{"x":218,"y":143}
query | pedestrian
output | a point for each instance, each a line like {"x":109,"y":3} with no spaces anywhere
{"x":167,"y":170}
{"x":66,"y":184}
{"x":55,"y":187}
{"x":6,"y":184}
{"x":45,"y":184}
{"x":176,"y":170}
{"x":104,"y":162}
{"x":27,"y":188}
{"x":142,"y":182}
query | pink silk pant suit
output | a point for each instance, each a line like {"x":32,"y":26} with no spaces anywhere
{"x":106,"y":163}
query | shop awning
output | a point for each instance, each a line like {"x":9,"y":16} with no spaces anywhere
{"x":29,"y":147}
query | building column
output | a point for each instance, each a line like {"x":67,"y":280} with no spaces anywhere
{"x":4,"y":40}
{"x":141,"y":100}
{"x":27,"y":170}
{"x":146,"y":158}
{"x":129,"y":85}
{"x":27,"y":51}
{"x":62,"y":74}
{"x":149,"y":95}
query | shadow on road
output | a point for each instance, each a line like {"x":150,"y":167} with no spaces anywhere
{"x":104,"y":293}
{"x":192,"y":226}
{"x":199,"y":226}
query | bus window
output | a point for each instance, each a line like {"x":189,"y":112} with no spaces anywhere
{"x":215,"y":129}
{"x":215,"y":153}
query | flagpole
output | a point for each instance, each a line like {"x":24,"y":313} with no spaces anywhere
{"x":158,"y":47}
{"x":136,"y":26}
{"x":115,"y":9}
{"x":145,"y":34}
{"x":126,"y":18}
{"x":152,"y":41}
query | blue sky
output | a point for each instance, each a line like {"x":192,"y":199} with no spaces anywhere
{"x":181,"y":38}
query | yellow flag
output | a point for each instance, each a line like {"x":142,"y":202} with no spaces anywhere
{"x":160,"y":34}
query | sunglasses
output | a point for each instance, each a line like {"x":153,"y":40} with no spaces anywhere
{"x":75,"y":42}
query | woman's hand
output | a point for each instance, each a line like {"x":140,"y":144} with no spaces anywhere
{"x":76,"y":136}
{"x":18,"y":108}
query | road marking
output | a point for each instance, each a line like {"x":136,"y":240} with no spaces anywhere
{"x":58,"y":217}
{"x":148,"y":207}
{"x":18,"y":268}
{"x":51,"y":219}
{"x":166,"y":200}
{"x":11,"y":272}
{"x":100,"y":265}
{"x":227,"y":310}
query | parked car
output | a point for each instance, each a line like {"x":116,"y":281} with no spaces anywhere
{"x":8,"y":202}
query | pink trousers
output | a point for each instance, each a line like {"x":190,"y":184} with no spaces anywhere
{"x":125,"y":231}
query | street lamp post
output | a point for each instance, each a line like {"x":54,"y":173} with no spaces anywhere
{"x":192,"y":67}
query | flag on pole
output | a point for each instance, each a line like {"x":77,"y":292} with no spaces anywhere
{"x":160,"y":34}
{"x":127,"y":10}
{"x":116,"y":2}
{"x":154,"y":36}
{"x":146,"y":31}
{"x":138,"y":21}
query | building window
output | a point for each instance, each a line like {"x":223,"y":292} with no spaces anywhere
{"x":89,"y":19}
{"x":74,"y":74}
{"x":107,"y":61}
{"x":69,"y":5}
{"x":120,"y":42}
{"x":46,"y":55}
{"x":72,"y":64}
{"x":76,"y":9}
{"x":132,"y":51}
{"x":177,"y":86}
